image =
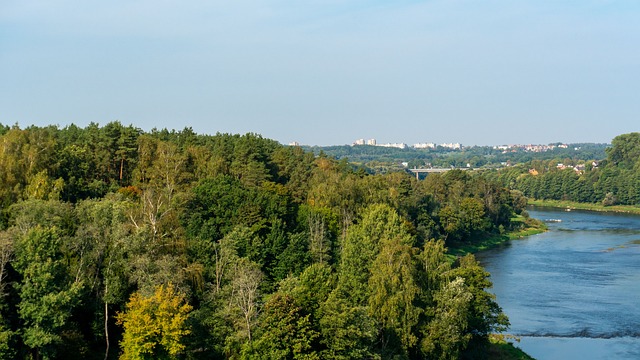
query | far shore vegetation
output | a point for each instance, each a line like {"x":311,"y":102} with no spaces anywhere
{"x":573,"y":205}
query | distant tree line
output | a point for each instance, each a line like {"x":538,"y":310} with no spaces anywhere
{"x":614,"y":180}
{"x":120,"y":243}
{"x":383,"y":159}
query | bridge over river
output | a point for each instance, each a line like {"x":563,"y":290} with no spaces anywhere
{"x":433,"y":170}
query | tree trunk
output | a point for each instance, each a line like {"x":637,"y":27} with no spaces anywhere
{"x":106,"y":324}
{"x":248,"y":328}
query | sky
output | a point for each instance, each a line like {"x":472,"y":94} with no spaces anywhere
{"x":328,"y":72}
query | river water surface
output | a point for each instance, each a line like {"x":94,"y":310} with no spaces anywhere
{"x":574,"y":291}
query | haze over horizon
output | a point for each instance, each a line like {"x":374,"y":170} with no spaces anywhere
{"x":328,"y":72}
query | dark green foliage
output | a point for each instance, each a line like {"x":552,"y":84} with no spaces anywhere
{"x":285,"y":332}
{"x":385,"y":159}
{"x":47,"y":293}
{"x":281,"y":253}
{"x":485,"y":315}
{"x":614,"y":180}
{"x":625,"y":151}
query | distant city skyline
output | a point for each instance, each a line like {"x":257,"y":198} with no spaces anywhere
{"x":328,"y":72}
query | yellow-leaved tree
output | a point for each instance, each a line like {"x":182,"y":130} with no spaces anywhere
{"x":154,"y":325}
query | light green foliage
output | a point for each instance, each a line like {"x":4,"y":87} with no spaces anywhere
{"x":393,"y":293}
{"x":23,"y":154}
{"x":379,"y":223}
{"x":435,"y":265}
{"x":40,"y":186}
{"x":447,"y":334}
{"x":154,"y":326}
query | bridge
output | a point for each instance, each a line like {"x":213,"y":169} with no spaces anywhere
{"x":433,"y":170}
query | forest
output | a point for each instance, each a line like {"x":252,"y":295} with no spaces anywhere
{"x":387,"y":158}
{"x":615,"y":180}
{"x":120,"y":243}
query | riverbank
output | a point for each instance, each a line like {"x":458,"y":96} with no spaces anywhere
{"x":529,"y":227}
{"x":570,"y":292}
{"x":571,"y":205}
{"x":499,"y":347}
{"x":502,"y":349}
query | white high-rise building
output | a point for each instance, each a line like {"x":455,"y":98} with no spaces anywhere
{"x":424,"y":146}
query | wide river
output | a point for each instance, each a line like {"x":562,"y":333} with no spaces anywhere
{"x":574,"y":291}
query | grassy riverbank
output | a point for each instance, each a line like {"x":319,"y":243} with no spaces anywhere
{"x":560,"y":204}
{"x":503,"y":349}
{"x":529,"y":227}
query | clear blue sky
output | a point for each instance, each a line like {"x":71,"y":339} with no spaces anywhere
{"x":328,"y":72}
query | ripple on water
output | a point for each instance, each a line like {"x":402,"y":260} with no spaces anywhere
{"x":573,"y":291}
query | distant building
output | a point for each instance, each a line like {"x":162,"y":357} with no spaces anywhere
{"x":454,"y":146}
{"x":373,"y":142}
{"x":394,"y":145}
{"x":424,"y":146}
{"x":294,"y":143}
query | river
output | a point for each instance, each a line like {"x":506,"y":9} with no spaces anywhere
{"x":574,"y":291}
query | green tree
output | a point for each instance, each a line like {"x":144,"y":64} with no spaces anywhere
{"x":379,"y":223}
{"x":312,"y":288}
{"x":47,"y":295}
{"x":393,"y":295}
{"x":485,"y":316}
{"x":435,"y":267}
{"x":101,"y":242}
{"x":447,"y":334}
{"x":348,"y":332}
{"x":625,"y":150}
{"x":284,"y":332}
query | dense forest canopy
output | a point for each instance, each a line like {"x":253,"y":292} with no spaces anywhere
{"x":115,"y":242}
